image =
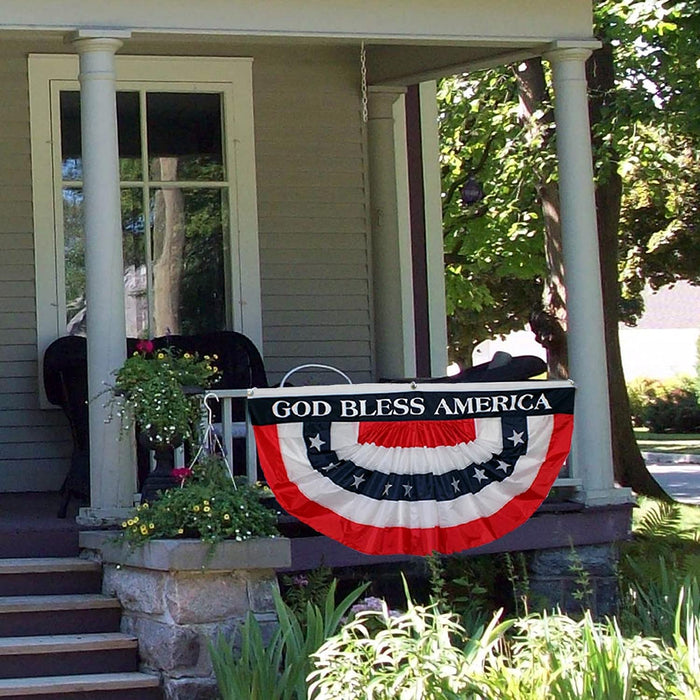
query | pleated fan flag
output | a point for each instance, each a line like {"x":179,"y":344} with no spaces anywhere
{"x":413,"y":468}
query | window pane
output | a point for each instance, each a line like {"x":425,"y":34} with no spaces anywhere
{"x":74,"y":253}
{"x":135,"y":271}
{"x":129,"y":134}
{"x":135,"y":267}
{"x":188,"y":260}
{"x":129,"y":127}
{"x":185,"y":130}
{"x":71,"y":163}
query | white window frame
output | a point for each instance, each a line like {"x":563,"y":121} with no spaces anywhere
{"x":232,"y":78}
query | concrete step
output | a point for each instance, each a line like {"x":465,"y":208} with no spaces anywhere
{"x":100,"y":686}
{"x":48,"y":575}
{"x":33,"y":615}
{"x":62,"y":655}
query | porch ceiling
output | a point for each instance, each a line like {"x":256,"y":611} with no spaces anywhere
{"x":391,"y":64}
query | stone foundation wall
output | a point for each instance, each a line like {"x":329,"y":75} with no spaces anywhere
{"x":575,"y":579}
{"x":174,"y":615}
{"x":177,"y":596}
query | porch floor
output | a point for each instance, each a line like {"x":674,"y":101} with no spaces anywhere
{"x":29,"y":526}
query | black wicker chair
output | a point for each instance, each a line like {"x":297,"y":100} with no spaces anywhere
{"x":65,"y":382}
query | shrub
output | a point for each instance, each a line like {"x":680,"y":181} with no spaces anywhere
{"x":665,"y":406}
{"x":426,"y":655}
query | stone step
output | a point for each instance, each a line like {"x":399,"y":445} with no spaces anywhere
{"x":96,"y":686}
{"x":33,"y":615}
{"x":61,"y":655}
{"x":49,"y":575}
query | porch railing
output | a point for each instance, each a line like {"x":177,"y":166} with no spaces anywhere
{"x":231,"y":429}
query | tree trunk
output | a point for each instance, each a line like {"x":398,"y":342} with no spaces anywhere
{"x":168,"y":252}
{"x":629,"y":466}
{"x":549,"y":323}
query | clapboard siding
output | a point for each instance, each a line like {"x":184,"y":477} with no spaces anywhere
{"x":312,"y":210}
{"x":36,"y":418}
{"x":310,"y":304}
{"x":42,"y":434}
{"x":35,"y":444}
{"x":280,"y":321}
{"x":312,"y":202}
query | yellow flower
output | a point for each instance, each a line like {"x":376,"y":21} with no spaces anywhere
{"x":144,"y":506}
{"x":187,"y":356}
{"x":227,"y":516}
{"x":206,"y":509}
{"x":161,"y":355}
{"x":151,"y":526}
{"x":195,"y":509}
{"x":180,"y":531}
{"x":125,"y":524}
{"x":130,"y":521}
{"x":144,"y":530}
{"x":205,"y":502}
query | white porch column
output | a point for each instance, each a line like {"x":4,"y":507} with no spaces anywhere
{"x":112,"y":459}
{"x":591,"y":453}
{"x":391,"y":236}
{"x":434,"y":246}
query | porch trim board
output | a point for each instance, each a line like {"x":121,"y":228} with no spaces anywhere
{"x":410,"y":20}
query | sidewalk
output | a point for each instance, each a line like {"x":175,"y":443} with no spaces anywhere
{"x":678,"y":474}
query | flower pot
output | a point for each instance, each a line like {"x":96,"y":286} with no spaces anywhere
{"x":161,"y":477}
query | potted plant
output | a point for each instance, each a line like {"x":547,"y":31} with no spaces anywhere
{"x":208,"y":505}
{"x":161,"y":393}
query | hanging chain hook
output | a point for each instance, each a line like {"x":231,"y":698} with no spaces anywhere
{"x":363,"y":78}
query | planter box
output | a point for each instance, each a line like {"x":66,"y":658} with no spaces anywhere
{"x":176,"y":595}
{"x":190,"y":555}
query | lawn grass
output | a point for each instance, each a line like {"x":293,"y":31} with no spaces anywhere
{"x":669,"y":443}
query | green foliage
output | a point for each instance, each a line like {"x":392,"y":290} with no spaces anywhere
{"x":209,"y":506}
{"x":277,"y":669}
{"x":426,"y":654}
{"x":475,"y":587}
{"x":662,"y":559}
{"x":299,"y":590}
{"x":554,"y":656}
{"x":150,"y":389}
{"x":665,"y":406}
{"x":494,"y":251}
{"x":651,"y":129}
{"x":496,"y":126}
{"x":422,"y":654}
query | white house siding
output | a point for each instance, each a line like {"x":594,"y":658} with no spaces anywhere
{"x":34,"y":444}
{"x":312,"y":203}
{"x":313,"y":236}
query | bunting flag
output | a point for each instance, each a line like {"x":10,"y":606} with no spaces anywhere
{"x":413,"y":468}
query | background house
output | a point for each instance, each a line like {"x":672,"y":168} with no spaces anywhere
{"x":664,"y":343}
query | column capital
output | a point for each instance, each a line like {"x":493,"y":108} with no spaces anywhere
{"x":560,"y":51}
{"x":86,"y":40}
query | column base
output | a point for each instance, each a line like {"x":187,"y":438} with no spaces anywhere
{"x":606,"y":497}
{"x":103,"y":517}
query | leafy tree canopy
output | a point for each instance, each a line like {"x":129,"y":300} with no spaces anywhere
{"x":647,"y":130}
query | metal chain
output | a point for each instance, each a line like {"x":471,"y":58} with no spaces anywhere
{"x":363,"y":75}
